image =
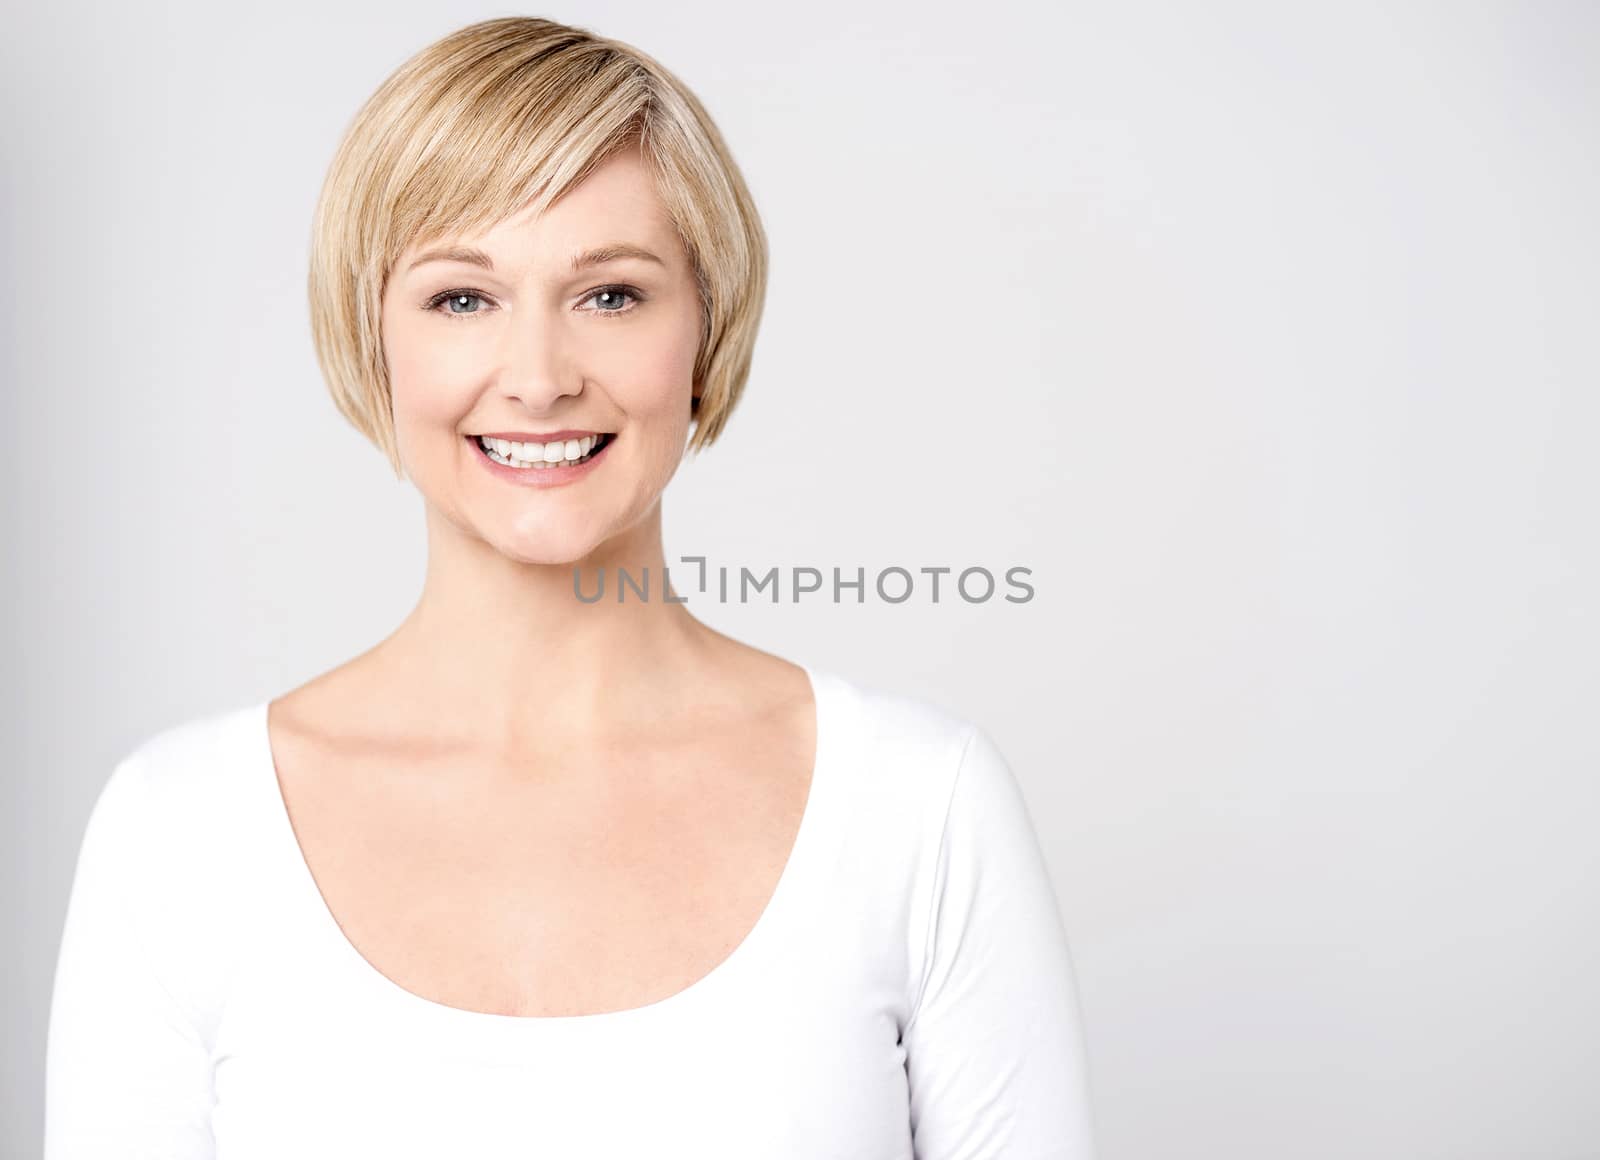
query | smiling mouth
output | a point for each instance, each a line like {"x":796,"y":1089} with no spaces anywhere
{"x":513,"y":454}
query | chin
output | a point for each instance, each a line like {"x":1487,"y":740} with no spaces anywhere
{"x":549,"y":551}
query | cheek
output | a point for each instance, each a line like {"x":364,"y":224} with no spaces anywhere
{"x":428,"y":387}
{"x":650,"y":371}
{"x":428,"y":379}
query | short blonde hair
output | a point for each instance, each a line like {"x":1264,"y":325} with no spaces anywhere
{"x":509,"y":114}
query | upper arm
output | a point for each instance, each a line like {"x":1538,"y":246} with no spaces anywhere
{"x":994,"y":1046}
{"x":127,"y":1073}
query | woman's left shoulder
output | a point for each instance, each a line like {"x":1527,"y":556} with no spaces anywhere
{"x":908,"y":741}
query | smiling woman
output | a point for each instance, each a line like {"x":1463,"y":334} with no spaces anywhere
{"x":536,"y":875}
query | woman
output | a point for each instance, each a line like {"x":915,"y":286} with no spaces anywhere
{"x":537,"y":874}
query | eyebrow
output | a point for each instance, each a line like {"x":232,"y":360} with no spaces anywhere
{"x":598,"y":255}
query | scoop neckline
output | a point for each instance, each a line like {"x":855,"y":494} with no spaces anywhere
{"x":309,"y":901}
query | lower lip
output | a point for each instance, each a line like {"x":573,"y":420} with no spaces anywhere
{"x":541,"y":476}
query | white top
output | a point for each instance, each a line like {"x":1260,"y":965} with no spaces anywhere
{"x":906,"y":993}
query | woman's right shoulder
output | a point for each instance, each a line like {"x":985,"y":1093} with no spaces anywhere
{"x":184,"y":803}
{"x":200,"y":769}
{"x":177,"y":848}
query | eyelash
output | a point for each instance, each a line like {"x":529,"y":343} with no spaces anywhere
{"x":444,"y":296}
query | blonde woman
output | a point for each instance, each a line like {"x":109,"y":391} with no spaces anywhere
{"x":537,"y":875}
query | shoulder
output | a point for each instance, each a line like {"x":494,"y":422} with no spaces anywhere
{"x":186,"y":755}
{"x":179,"y":803}
{"x":899,"y":745}
{"x":181,"y":809}
{"x":182,"y":783}
{"x":172,"y":844}
{"x":928,"y":808}
{"x":894,"y":718}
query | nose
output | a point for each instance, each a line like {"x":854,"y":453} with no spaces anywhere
{"x":537,"y":366}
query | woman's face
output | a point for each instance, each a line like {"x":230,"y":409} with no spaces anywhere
{"x":500,"y":334}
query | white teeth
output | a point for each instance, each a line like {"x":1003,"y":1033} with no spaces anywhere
{"x":539,"y":455}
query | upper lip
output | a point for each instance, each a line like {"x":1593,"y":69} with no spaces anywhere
{"x":532,"y":437}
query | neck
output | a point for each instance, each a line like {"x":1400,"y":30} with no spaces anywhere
{"x":496,"y":647}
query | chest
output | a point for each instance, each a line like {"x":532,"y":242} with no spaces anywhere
{"x":793,"y":1059}
{"x":560,"y":891}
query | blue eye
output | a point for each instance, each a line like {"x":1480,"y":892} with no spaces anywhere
{"x":614,"y":294}
{"x":458,"y":300}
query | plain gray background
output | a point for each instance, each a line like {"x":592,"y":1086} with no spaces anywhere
{"x":1264,"y":334}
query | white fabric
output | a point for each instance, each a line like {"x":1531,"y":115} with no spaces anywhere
{"x":907,"y":993}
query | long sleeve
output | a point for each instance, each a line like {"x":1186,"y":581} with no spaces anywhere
{"x":128,"y":1077}
{"x":995,"y":1056}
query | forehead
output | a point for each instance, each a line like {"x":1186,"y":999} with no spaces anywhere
{"x":616,"y":201}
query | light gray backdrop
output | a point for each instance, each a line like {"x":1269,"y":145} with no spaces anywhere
{"x":1264,"y":334}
